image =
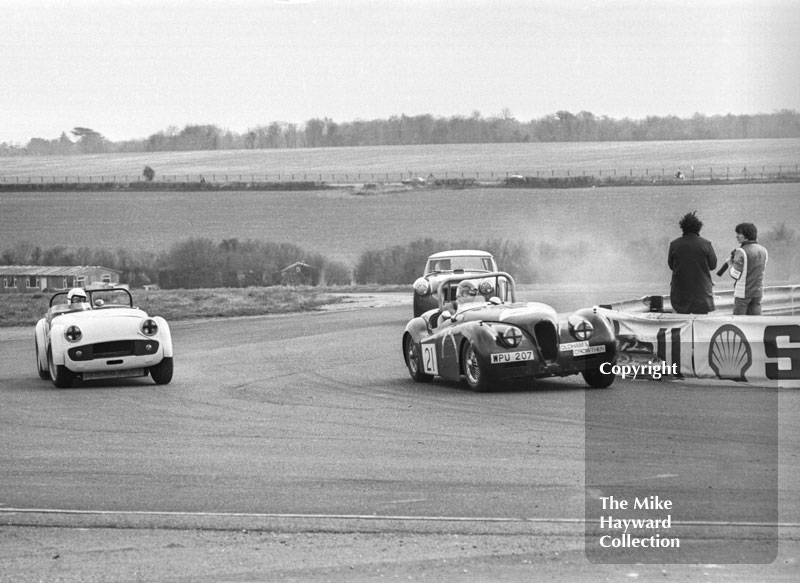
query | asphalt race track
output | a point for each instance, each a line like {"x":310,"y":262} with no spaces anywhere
{"x":298,"y":448}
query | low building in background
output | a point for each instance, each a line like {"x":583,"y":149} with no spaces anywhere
{"x":298,"y":273}
{"x":36,"y":278}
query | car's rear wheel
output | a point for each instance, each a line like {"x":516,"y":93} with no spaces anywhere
{"x":474,"y":373}
{"x":414,"y":361}
{"x":597,"y":379}
{"x":61,"y":376}
{"x":44,"y":374}
{"x":162,"y":372}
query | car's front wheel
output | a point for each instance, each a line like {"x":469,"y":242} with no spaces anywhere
{"x":162,"y":372}
{"x":474,"y":373}
{"x":414,"y":361}
{"x":597,"y":379}
{"x":61,"y":376}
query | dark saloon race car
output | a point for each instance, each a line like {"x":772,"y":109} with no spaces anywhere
{"x":98,"y":334}
{"x":442,"y":265}
{"x":479,"y":332}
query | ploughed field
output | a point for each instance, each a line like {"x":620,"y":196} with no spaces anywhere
{"x":592,"y":229}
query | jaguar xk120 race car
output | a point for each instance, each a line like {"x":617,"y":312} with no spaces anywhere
{"x":440,"y":266}
{"x":479,"y":332}
{"x":98,"y":334}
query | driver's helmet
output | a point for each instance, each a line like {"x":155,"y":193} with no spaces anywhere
{"x":76,"y":296}
{"x":467,"y":292}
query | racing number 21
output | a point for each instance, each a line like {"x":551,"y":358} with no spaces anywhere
{"x":429,"y":364}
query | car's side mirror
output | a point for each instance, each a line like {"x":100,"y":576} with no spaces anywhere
{"x":446,"y":315}
{"x":495,"y":300}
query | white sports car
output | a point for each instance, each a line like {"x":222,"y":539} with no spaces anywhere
{"x":98,"y":334}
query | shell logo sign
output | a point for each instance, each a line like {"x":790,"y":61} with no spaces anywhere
{"x":729,"y":353}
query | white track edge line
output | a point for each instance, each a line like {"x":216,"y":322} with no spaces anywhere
{"x":375,"y":517}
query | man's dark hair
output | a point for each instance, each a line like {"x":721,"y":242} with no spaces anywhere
{"x":748,"y":230}
{"x":690,"y":224}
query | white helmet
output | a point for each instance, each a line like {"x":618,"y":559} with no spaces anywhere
{"x":76,"y":295}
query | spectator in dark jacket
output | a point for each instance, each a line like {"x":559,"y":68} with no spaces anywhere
{"x":691,"y":259}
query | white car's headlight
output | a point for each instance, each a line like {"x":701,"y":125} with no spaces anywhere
{"x":73,"y":333}
{"x":149,"y":327}
{"x":486,"y":288}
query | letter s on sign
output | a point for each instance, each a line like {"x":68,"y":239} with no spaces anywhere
{"x":771,"y":335}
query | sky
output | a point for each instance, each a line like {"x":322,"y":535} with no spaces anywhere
{"x":132,"y":68}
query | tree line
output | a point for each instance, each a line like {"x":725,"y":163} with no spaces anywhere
{"x":199,"y":262}
{"x":562,"y":126}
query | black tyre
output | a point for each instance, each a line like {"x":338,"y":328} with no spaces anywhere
{"x":162,"y":372}
{"x":474,"y":374}
{"x":61,"y":376}
{"x":44,"y":374}
{"x":414,"y":361}
{"x":597,"y":379}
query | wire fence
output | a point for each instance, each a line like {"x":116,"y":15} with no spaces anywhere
{"x":631,"y":175}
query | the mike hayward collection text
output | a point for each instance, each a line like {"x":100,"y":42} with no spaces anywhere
{"x":644,"y":531}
